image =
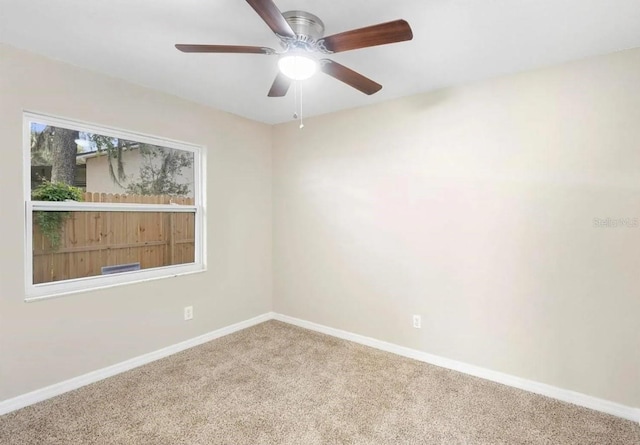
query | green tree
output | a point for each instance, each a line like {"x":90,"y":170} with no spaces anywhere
{"x":160,"y":168}
{"x":51,"y":223}
{"x":114,"y":148}
{"x":56,"y":147}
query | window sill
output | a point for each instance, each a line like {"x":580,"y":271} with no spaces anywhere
{"x":83,"y":285}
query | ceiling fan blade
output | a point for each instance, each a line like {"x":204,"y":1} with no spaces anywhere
{"x":272,"y":16}
{"x":350,"y":77}
{"x":185,"y":48}
{"x":280,"y":86}
{"x":390,"y":32}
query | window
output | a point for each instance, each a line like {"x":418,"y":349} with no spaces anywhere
{"x":106,"y":207}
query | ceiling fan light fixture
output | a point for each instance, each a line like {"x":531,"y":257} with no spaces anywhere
{"x":297,"y":66}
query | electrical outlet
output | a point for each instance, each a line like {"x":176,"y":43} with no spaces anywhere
{"x":188,"y":312}
{"x":417,"y":321}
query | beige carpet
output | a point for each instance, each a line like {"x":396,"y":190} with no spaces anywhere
{"x":278,"y":384}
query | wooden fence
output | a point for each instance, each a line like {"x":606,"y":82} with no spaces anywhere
{"x":92,"y":240}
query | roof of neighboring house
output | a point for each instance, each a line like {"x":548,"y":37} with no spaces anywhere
{"x":82,"y":157}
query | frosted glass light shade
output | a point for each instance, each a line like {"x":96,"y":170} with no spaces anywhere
{"x":297,"y":67}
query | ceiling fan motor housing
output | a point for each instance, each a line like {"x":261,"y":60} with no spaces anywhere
{"x":308,"y":27}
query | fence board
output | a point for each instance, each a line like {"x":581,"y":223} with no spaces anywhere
{"x":91,"y":240}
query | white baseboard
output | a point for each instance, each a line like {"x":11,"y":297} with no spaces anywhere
{"x":565,"y":395}
{"x":6,"y":406}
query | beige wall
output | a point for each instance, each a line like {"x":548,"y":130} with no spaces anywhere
{"x":45,"y":342}
{"x":474,"y":207}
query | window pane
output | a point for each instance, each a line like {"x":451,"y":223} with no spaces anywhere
{"x":68,"y":245}
{"x":75,"y":161}
{"x":107,"y":165}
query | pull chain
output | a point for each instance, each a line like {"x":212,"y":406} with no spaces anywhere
{"x":298,"y":102}
{"x":301,"y":123}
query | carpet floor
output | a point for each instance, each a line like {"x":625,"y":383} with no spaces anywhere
{"x":279,"y":384}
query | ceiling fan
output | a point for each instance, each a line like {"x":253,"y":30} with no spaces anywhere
{"x":302,"y":38}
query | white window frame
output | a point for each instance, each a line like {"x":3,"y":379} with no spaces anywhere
{"x":58,"y":288}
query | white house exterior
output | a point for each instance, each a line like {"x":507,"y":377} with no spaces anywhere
{"x":99,"y":179}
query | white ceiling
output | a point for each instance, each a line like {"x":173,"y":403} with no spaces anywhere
{"x":455,"y":41}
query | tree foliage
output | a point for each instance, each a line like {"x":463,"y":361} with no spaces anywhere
{"x":51,"y":223}
{"x":159,"y":171}
{"x":114,"y":149}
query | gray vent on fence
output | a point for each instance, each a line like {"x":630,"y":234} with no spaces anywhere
{"x":119,"y":268}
